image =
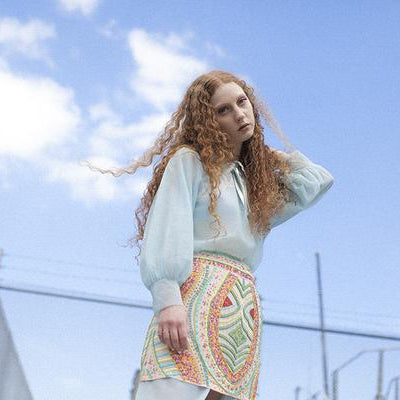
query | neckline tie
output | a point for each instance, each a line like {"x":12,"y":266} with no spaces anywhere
{"x":238,"y":174}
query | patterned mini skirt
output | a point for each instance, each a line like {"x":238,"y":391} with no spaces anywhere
{"x":225,"y":327}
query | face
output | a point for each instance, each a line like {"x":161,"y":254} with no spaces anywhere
{"x":234,"y":114}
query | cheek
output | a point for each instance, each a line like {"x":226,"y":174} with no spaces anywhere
{"x":251,"y":112}
{"x":224,"y":124}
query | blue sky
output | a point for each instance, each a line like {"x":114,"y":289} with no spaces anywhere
{"x":90,"y":79}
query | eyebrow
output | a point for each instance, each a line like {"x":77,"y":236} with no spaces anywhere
{"x":237,"y":98}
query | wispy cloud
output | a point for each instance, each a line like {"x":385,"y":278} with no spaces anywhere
{"x":25,"y":38}
{"x":164,"y":67}
{"x":83,"y":183}
{"x":53,"y":123}
{"x":113,"y":136}
{"x":86,"y":7}
{"x":111,"y":30}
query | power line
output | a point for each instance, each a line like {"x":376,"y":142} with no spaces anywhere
{"x":97,"y":267}
{"x":80,"y":296}
{"x":333,"y":313}
{"x":70,"y":276}
{"x":330,"y":316}
{"x":143,"y":305}
{"x":332,"y":310}
{"x":74,"y":263}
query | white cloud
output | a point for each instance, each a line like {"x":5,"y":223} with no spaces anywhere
{"x":35,"y":113}
{"x":84,"y":184}
{"x":132,"y":137}
{"x":86,"y":7}
{"x":91,"y":186}
{"x":39,"y":123}
{"x":163,"y":68}
{"x":50,"y":132}
{"x":25,"y":38}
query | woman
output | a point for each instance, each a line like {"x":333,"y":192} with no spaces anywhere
{"x":215,"y":194}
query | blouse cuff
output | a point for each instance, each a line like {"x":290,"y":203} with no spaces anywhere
{"x":165,"y":293}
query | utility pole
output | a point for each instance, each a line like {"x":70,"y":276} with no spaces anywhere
{"x":335,"y":384}
{"x":322,"y":324}
{"x":394,"y":380}
{"x":379,"y":395}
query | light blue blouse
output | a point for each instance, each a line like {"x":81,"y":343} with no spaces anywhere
{"x":178,"y":223}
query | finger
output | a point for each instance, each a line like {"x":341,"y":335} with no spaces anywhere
{"x":183,"y":338}
{"x":168,"y":341}
{"x":159,"y":331}
{"x":162,"y":330}
{"x":164,"y":336}
{"x":175,"y":339}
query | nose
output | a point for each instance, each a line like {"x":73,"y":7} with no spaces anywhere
{"x":239,"y":113}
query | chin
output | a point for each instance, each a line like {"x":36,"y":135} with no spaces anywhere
{"x":248,"y":137}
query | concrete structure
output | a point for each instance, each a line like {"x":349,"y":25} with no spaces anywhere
{"x":13,"y":384}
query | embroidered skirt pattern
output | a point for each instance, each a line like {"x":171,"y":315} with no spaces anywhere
{"x":225,"y":326}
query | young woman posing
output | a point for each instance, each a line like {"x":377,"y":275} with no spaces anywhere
{"x":216,"y":192}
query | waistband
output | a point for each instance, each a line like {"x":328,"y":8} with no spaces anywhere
{"x":225,"y":260}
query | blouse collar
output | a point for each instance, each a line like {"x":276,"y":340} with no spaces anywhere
{"x":235,"y":164}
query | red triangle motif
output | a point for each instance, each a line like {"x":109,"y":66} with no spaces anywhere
{"x":252,"y":313}
{"x":227,"y":302}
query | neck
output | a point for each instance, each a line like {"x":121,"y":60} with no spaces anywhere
{"x":236,"y":151}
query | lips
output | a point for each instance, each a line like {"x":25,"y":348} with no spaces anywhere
{"x":243,"y":126}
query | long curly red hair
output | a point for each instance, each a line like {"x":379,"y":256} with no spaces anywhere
{"x":194,"y":125}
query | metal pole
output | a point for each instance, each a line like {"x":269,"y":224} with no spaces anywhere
{"x":297,"y":393}
{"x":394,"y":380}
{"x":379,"y":395}
{"x":335,"y":385}
{"x":321,"y":314}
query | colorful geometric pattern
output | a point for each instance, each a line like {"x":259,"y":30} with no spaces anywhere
{"x":225,"y":326}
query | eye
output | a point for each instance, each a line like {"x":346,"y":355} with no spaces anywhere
{"x":242,"y":99}
{"x":221,"y":110}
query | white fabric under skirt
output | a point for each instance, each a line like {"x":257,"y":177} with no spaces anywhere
{"x":170,"y":388}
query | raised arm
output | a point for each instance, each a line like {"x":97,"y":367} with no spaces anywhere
{"x":307,"y":183}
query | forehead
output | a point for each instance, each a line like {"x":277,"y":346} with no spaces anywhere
{"x":227,"y":92}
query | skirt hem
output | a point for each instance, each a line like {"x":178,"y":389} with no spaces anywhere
{"x":179,"y":378}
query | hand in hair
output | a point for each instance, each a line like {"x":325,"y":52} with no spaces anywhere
{"x":173,"y":327}
{"x":281,"y":154}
